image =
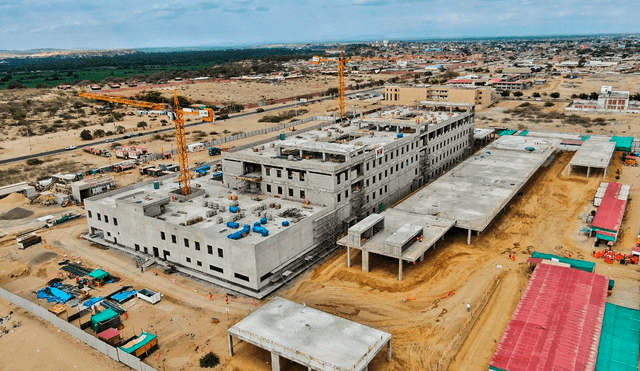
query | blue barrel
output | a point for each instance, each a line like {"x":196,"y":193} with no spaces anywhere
{"x":263,"y":221}
{"x":400,"y":135}
{"x":285,"y":223}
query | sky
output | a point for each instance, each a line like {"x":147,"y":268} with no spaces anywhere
{"x":107,"y":24}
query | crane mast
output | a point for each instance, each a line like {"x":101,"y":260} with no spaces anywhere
{"x":341,"y":67}
{"x":181,"y":142}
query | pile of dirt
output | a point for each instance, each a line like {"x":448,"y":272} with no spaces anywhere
{"x":16,"y":213}
{"x":13,"y":198}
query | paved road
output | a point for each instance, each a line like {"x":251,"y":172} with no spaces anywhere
{"x":168,"y":129}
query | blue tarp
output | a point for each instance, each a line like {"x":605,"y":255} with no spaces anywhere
{"x":93,"y":301}
{"x":123,"y":296}
{"x":53,"y":294}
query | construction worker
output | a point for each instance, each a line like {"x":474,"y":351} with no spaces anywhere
{"x":468,"y":307}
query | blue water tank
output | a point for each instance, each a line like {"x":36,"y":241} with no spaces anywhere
{"x":285,"y":223}
{"x":234,"y":209}
{"x":400,"y":135}
{"x":263,"y":221}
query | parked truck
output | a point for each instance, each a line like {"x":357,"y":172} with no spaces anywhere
{"x":63,"y":219}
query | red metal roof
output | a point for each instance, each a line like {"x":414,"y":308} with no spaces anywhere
{"x":109,"y":333}
{"x":611,"y":209}
{"x":557,"y":323}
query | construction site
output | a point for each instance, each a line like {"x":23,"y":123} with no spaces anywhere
{"x":400,"y":239}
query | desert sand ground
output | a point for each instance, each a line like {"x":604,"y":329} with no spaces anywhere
{"x":422,"y":316}
{"x":77,"y":160}
{"x":425,"y":313}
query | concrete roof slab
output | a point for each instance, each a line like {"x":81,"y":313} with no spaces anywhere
{"x":594,"y":153}
{"x":311,"y":337}
{"x":476,"y":190}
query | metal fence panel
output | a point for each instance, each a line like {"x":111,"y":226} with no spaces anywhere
{"x":113,"y":352}
{"x":128,"y":359}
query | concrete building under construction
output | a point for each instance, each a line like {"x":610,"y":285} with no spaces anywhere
{"x":281,"y":205}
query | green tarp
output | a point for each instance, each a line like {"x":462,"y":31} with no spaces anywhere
{"x":99,"y":274}
{"x":147,"y":338}
{"x":605,"y":237}
{"x":103,"y":316}
{"x":524,"y":133}
{"x":507,"y":132}
{"x":585,"y":137}
{"x":619,"y":340}
{"x":623,"y":143}
{"x":574,"y":263}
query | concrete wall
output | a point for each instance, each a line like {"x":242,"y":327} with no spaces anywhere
{"x":114,"y":353}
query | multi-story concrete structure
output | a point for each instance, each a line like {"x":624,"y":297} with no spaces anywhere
{"x":319,"y":181}
{"x":358,"y":169}
{"x":411,"y":95}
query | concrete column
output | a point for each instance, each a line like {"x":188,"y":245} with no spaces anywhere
{"x":422,"y":257}
{"x":275,"y":362}
{"x":570,"y":169}
{"x":469,"y":237}
{"x":230,"y":338}
{"x":389,"y":351}
{"x":348,"y":257}
{"x":365,"y":261}
{"x":400,"y":269}
{"x":588,"y":170}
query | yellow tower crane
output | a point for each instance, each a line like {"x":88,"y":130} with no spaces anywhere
{"x":181,"y":138}
{"x":342,"y":64}
{"x":181,"y":141}
{"x":115,"y":99}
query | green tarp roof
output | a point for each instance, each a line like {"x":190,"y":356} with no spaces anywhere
{"x":605,"y":237}
{"x":98,"y":274}
{"x":524,"y":133}
{"x":622,"y":143}
{"x":619,"y":340}
{"x":507,"y":132}
{"x":574,"y":263}
{"x":105,"y":315}
{"x":147,"y":338}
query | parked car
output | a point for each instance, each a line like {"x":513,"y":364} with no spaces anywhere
{"x":70,"y":148}
{"x":260,"y":110}
{"x":109,"y":140}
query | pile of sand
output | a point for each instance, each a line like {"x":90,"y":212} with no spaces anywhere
{"x":13,"y":199}
{"x":16,"y":213}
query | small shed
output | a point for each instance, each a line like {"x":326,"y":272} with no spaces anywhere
{"x":141,"y":346}
{"x":111,"y":336}
{"x":106,"y":319}
{"x":99,"y":274}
